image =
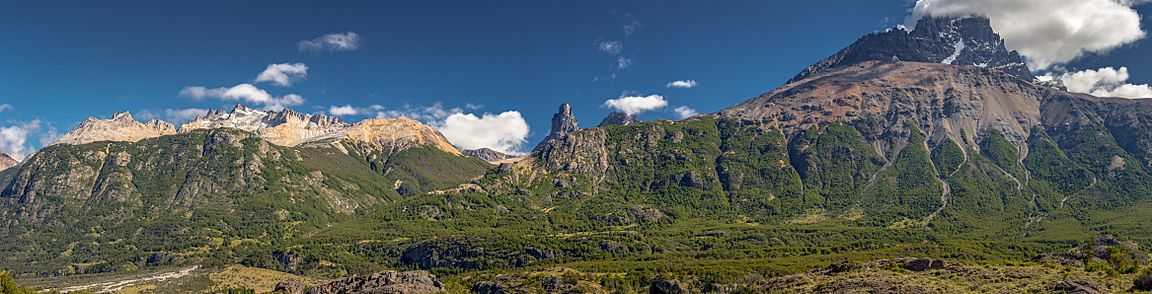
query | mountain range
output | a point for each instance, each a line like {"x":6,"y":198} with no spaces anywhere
{"x":935,"y":140}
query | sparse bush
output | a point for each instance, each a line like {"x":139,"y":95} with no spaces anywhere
{"x":1143,"y":281}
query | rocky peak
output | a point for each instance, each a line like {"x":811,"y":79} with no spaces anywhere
{"x":7,"y":161}
{"x":563,"y":123}
{"x":488,"y":155}
{"x":122,"y":127}
{"x":948,"y":40}
{"x":123,"y":117}
{"x":618,"y":119}
{"x":284,"y":127}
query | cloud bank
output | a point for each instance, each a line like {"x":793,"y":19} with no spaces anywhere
{"x":283,"y":74}
{"x":1048,"y":32}
{"x":633,"y":105}
{"x":1104,"y":82}
{"x":334,"y":42}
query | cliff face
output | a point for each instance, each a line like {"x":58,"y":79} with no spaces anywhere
{"x":122,"y":127}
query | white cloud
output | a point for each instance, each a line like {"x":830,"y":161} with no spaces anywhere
{"x":622,"y":63}
{"x":506,"y":132}
{"x":633,"y":105}
{"x":685,"y":84}
{"x":1048,"y":32}
{"x":349,"y":41}
{"x":283,"y":74}
{"x":1104,"y":82}
{"x":244,"y":93}
{"x":685,"y":112}
{"x":13,"y":139}
{"x":612,"y":47}
{"x":5,"y":107}
{"x":343,"y":110}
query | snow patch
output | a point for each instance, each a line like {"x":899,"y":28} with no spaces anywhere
{"x":959,"y":48}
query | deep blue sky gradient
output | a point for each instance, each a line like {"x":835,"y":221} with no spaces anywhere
{"x":61,"y":61}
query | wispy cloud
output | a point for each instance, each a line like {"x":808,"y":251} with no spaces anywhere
{"x":622,"y":62}
{"x":244,"y":93}
{"x":683,"y":84}
{"x":5,"y":107}
{"x":685,"y":112}
{"x":345,"y":110}
{"x":334,"y":42}
{"x":611,"y":47}
{"x":283,"y":74}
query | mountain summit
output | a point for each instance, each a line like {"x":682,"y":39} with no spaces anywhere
{"x":122,"y":127}
{"x":948,"y":40}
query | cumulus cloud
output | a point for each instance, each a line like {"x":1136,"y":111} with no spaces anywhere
{"x":506,"y":132}
{"x":633,"y":105}
{"x":334,"y":42}
{"x":5,"y":107}
{"x":685,"y":112}
{"x":611,"y":47}
{"x":283,"y":74}
{"x":345,"y":110}
{"x":1048,"y":32}
{"x":14,"y":139}
{"x":1104,"y":82}
{"x":684,"y":84}
{"x":244,"y":93}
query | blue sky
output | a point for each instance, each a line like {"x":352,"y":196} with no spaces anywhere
{"x":62,"y":61}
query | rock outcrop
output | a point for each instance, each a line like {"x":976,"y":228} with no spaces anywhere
{"x":618,"y":119}
{"x":955,"y":41}
{"x":7,"y":161}
{"x":122,"y":127}
{"x":386,"y":282}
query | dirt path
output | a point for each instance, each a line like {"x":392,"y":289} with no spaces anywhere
{"x":115,"y":286}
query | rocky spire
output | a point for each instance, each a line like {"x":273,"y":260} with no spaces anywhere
{"x":563,"y":123}
{"x":618,"y":119}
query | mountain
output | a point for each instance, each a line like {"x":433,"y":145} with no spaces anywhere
{"x":563,"y":123}
{"x":7,"y":162}
{"x":948,"y":40}
{"x":488,"y":155}
{"x":163,"y":194}
{"x":862,"y":157}
{"x":618,"y":118}
{"x":285,"y":127}
{"x":122,"y":127}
